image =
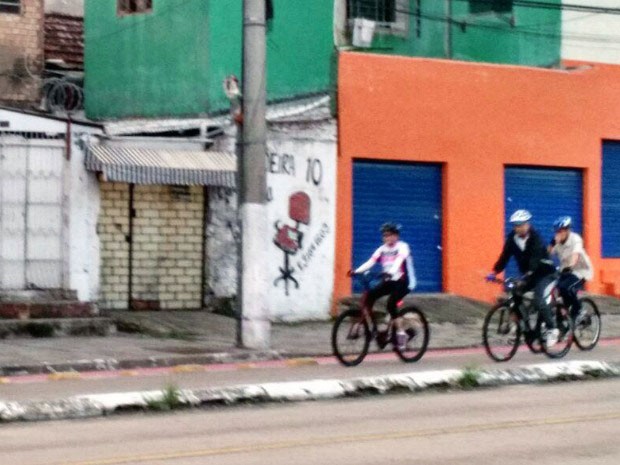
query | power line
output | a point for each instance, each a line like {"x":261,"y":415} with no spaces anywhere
{"x":555,"y":6}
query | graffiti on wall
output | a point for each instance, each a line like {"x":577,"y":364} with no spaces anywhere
{"x":289,"y":238}
{"x":290,"y":233}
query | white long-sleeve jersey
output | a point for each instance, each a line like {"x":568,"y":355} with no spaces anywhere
{"x":396,"y":261}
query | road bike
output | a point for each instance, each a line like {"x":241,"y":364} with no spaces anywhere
{"x":355,"y":328}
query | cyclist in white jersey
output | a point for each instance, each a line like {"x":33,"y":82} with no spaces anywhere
{"x":395,"y":258}
{"x":575,"y":265}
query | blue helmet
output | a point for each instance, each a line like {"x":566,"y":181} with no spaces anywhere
{"x":563,"y":222}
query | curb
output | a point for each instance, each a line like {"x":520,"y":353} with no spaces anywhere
{"x":95,"y":405}
{"x":112,"y":364}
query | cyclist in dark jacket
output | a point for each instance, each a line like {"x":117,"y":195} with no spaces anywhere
{"x":532,"y":257}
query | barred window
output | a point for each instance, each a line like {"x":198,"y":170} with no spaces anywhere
{"x":10,"y":6}
{"x":128,"y":7}
{"x":382,"y":11}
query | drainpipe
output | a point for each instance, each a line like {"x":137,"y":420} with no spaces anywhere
{"x":204,"y":261}
{"x":448,"y":29}
{"x":132,"y":214}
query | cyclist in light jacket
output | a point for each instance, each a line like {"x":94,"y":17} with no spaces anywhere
{"x":575,"y":265}
{"x":395,"y":258}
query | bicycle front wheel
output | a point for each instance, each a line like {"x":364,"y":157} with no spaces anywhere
{"x":350,"y":338}
{"x":587,"y":329}
{"x":501,"y":333}
{"x":418,"y":334}
{"x":565,"y":325}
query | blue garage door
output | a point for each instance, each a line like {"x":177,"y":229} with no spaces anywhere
{"x":405,"y":193}
{"x":547,"y":193}
{"x":610,"y":202}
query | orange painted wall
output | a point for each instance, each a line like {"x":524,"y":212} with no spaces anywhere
{"x":475,"y":119}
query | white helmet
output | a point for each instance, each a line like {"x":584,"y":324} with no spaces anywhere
{"x":520,"y":217}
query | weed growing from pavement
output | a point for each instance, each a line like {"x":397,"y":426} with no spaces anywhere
{"x":469,"y":379}
{"x":170,"y":400}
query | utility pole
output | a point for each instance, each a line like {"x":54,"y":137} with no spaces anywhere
{"x":254,"y":325}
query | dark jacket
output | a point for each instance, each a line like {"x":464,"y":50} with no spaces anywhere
{"x":533,"y":260}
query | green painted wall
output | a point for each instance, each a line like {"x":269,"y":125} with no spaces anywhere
{"x":147,"y":64}
{"x":172,"y":61}
{"x":299,"y":47}
{"x":526,"y":36}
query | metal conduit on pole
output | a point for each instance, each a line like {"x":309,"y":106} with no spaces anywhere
{"x":254,"y":324}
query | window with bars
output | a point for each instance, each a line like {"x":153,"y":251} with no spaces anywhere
{"x":10,"y":6}
{"x":390,"y":16}
{"x":381,"y":11}
{"x":129,"y":7}
{"x":490,"y":6}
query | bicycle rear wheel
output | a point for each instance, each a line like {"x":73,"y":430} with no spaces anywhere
{"x":350,"y":338}
{"x":501,"y":333}
{"x":587,"y":328}
{"x":565,"y":324}
{"x":418,"y":334}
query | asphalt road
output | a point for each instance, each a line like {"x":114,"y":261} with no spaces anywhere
{"x":572,"y":423}
{"x":46,"y":388}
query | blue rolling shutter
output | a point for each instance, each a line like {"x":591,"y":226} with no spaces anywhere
{"x":547,"y":194}
{"x":610,"y":202}
{"x":405,"y":193}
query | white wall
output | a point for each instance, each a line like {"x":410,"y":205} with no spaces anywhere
{"x":591,"y":37}
{"x":293,"y":150}
{"x":65,"y":7}
{"x":82,"y":199}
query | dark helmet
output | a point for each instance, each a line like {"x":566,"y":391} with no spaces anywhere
{"x":391,"y":228}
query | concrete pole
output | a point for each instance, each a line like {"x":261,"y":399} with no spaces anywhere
{"x":254,"y":324}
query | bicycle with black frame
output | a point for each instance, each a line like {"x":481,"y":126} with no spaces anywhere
{"x":355,"y":328}
{"x":515,"y":316}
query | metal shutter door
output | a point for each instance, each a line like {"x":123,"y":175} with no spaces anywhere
{"x":610,"y":205}
{"x":547,"y":194}
{"x":408,"y":194}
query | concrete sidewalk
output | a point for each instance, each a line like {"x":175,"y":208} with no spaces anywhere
{"x":150,"y":339}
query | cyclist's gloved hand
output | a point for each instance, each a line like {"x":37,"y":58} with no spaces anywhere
{"x":566,"y":270}
{"x":491,"y":277}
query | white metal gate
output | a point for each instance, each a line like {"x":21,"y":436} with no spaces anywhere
{"x":31,"y":212}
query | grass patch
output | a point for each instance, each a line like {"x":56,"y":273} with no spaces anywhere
{"x":469,"y":379}
{"x":170,"y":400}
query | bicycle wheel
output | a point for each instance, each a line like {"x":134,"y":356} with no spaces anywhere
{"x":350,"y":338}
{"x":418,"y":334}
{"x":587,"y":327}
{"x":565,"y":324}
{"x":501,"y":333}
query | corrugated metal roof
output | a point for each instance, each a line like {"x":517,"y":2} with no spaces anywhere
{"x":299,"y":110}
{"x":162,"y":166}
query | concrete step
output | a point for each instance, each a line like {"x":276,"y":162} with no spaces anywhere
{"x":56,"y":327}
{"x":37,"y":295}
{"x":48,"y":309}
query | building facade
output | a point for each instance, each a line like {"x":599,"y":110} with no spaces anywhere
{"x":453,"y":162}
{"x":21,"y":51}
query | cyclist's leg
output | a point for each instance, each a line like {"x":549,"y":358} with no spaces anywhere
{"x":569,"y":285}
{"x":380,"y":290}
{"x":399,"y":291}
{"x":540,"y":300}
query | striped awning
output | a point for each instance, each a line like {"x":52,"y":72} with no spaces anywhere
{"x":162,"y":166}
